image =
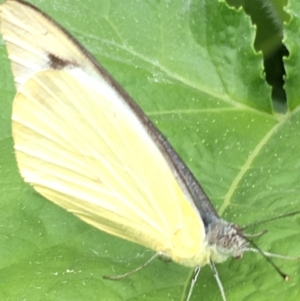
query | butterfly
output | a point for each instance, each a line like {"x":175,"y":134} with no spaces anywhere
{"x":83,"y":143}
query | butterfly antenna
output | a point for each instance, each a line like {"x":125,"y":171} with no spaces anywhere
{"x":117,"y":277}
{"x":268,"y":259}
{"x":261,"y":233}
{"x":271,"y":219}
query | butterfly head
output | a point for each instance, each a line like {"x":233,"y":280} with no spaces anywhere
{"x":225,"y":240}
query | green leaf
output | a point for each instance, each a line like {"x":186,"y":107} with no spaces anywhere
{"x":191,"y":66}
{"x":292,"y":62}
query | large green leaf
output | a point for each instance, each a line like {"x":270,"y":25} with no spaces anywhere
{"x":191,"y":66}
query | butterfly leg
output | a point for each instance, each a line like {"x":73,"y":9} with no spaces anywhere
{"x":216,"y":275}
{"x":193,"y":282}
{"x":117,"y":277}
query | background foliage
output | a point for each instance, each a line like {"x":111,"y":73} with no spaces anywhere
{"x":192,"y":66}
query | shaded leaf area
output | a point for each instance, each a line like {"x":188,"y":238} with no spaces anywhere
{"x":268,"y":17}
{"x":192,"y":67}
{"x":292,"y":62}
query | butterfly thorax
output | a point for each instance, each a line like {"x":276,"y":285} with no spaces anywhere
{"x":221,"y":241}
{"x":225,"y":240}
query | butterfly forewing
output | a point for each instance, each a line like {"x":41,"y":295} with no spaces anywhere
{"x":85,"y":145}
{"x":83,"y":148}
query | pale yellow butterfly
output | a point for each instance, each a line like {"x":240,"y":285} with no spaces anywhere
{"x":84,"y":144}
